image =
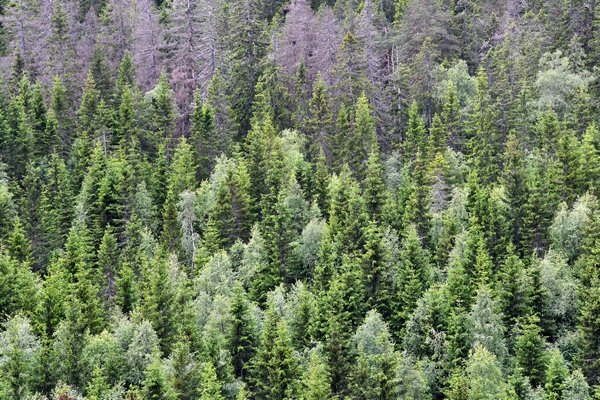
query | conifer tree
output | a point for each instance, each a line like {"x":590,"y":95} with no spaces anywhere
{"x":344,"y":128}
{"x":362,"y":139}
{"x":590,"y":158}
{"x":242,"y":335}
{"x":181,"y":177}
{"x":556,"y":375}
{"x":418,"y":198}
{"x":340,"y":311}
{"x":88,"y":105}
{"x":204,"y":138}
{"x":314,"y":383}
{"x":483,"y":134}
{"x":60,"y":104}
{"x":588,"y":325}
{"x":156,"y":385}
{"x":413,"y":277}
{"x":56,"y":204}
{"x":513,"y":289}
{"x":125,"y":131}
{"x":274,"y":367}
{"x":21,"y":350}
{"x":530,"y":353}
{"x":450,"y":117}
{"x":514,"y":180}
{"x":320,"y":121}
{"x":20,"y":145}
{"x":415,"y":135}
{"x":568,"y":155}
{"x":157,"y":303}
{"x":210,"y":385}
{"x":125,"y":75}
{"x":18,"y":285}
{"x":374,"y":185}
{"x":162,"y":109}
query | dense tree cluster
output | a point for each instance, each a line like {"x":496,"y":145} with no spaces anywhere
{"x":268,"y":199}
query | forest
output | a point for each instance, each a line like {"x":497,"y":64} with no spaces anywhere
{"x":299,"y":199}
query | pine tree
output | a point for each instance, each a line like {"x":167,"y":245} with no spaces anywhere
{"x":203,"y":136}
{"x":362,"y":139}
{"x":450,"y":117}
{"x":242,"y":336}
{"x":319,"y":121}
{"x":483,"y":133}
{"x":588,"y":326}
{"x":156,"y":385}
{"x":158,"y":300}
{"x":513,"y":289}
{"x":413,"y":276}
{"x":415,"y":135}
{"x":20,"y":350}
{"x":162,"y":109}
{"x":556,"y":375}
{"x":514,"y":181}
{"x":374,"y":185}
{"x":349,"y":73}
{"x":590,"y":158}
{"x":530,"y":352}
{"x":181,"y":177}
{"x":274,"y":367}
{"x":314,"y":383}
{"x":211,"y":387}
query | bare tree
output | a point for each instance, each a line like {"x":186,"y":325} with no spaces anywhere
{"x":193,"y":47}
{"x":147,"y":41}
{"x":297,"y":38}
{"x":22,"y":23}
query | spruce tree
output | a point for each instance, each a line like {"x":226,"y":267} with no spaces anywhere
{"x":320,"y":121}
{"x":314,"y":383}
{"x":483,"y":145}
{"x":242,"y":335}
{"x":210,"y":385}
{"x":530,"y":352}
{"x":274,"y":367}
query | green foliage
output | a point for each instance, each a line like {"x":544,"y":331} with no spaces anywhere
{"x":274,"y":367}
{"x":307,"y":199}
